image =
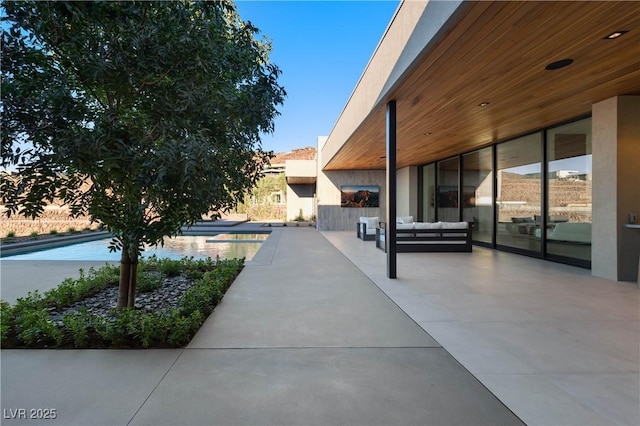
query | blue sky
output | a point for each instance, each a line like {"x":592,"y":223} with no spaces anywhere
{"x":322,"y":48}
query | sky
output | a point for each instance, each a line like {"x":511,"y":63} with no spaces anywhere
{"x":322,"y":48}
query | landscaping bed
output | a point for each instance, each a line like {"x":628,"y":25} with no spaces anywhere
{"x":173,"y":300}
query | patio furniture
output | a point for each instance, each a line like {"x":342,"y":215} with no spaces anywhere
{"x":428,"y":237}
{"x":366,"y":228}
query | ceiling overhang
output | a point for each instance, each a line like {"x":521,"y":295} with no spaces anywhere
{"x":483,"y":79}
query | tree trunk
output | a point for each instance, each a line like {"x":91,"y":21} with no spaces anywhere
{"x":125,"y":279}
{"x":128,"y":280}
{"x":133,"y":281}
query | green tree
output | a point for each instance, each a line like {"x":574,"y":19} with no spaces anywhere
{"x":259,"y":203}
{"x":143,"y":115}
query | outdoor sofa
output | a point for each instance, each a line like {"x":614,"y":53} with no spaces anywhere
{"x":428,"y":237}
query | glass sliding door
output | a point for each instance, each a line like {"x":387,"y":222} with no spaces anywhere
{"x":569,"y":190}
{"x":428,"y":193}
{"x":519,"y":193}
{"x":477,"y":193}
{"x":447,"y":193}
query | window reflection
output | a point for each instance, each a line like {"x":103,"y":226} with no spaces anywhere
{"x":429,"y":193}
{"x":569,"y":193}
{"x":519,"y":186}
{"x":519,"y":192}
{"x":477,"y":194}
{"x":447,"y":192}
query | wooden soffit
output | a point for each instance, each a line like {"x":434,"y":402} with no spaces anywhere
{"x":496,"y":52}
{"x":301,"y":180}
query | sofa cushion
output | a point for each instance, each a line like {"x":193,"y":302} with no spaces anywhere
{"x":404,"y":225}
{"x":368,"y":220}
{"x":371,"y":223}
{"x":455,"y":225}
{"x":404,"y":219}
{"x":428,"y":225}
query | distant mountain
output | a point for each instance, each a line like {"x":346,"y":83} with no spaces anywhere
{"x":308,"y":153}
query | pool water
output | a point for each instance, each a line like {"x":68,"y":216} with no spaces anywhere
{"x":225,"y":246}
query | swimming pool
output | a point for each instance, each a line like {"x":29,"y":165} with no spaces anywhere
{"x":226,"y":246}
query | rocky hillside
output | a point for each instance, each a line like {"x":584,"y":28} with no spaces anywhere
{"x":308,"y":153}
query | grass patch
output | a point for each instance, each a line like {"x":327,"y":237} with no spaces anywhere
{"x":28,"y":323}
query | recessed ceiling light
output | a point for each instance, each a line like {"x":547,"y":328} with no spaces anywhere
{"x":559,"y":64}
{"x":615,"y":35}
{"x":483,"y":104}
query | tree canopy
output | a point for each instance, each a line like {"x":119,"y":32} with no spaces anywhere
{"x":142,"y":115}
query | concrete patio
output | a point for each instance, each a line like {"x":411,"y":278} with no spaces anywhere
{"x":312,"y":332}
{"x":553,"y":343}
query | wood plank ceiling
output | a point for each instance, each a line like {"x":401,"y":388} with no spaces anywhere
{"x":496,"y":52}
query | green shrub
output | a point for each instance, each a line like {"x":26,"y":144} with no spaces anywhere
{"x":6,"y":321}
{"x":208,"y":290}
{"x":195,"y":269}
{"x":200,"y":297}
{"x":77,"y":326}
{"x":11,"y":234}
{"x":53,"y":231}
{"x":149,"y":281}
{"x":116,"y":331}
{"x":33,"y":300}
{"x":151,"y":330}
{"x":34,"y":235}
{"x":64,"y":294}
{"x":35,"y":328}
{"x":170,"y":268}
{"x":73,"y":290}
{"x":183,"y":328}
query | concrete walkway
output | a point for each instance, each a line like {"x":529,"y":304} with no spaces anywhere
{"x":303,"y":337}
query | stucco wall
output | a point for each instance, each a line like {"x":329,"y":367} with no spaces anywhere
{"x":628,"y":184}
{"x":300,"y":168}
{"x":300,"y":197}
{"x":407,"y":192}
{"x":332,"y":217}
{"x":616,"y":164}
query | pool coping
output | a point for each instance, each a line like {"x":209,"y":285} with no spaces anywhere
{"x":23,"y":247}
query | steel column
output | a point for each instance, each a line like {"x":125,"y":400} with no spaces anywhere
{"x":390,"y":232}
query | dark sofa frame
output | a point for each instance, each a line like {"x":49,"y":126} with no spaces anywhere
{"x":428,"y":240}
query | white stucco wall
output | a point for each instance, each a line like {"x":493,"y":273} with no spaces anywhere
{"x":616,"y":168}
{"x":300,"y":197}
{"x":300,"y":168}
{"x":407,"y":192}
